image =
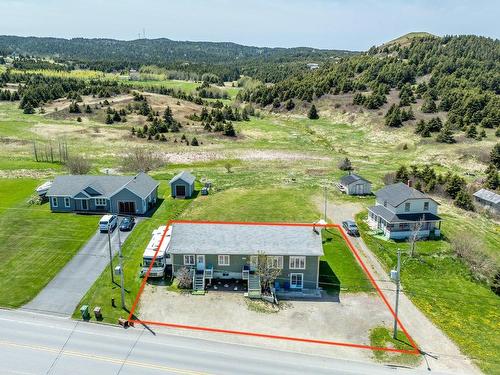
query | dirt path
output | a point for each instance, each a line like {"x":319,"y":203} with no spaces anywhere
{"x":443,"y":354}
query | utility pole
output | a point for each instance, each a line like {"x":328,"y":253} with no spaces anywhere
{"x":122,"y":275}
{"x":110,"y":256}
{"x":395,"y":276}
{"x":326,"y":201}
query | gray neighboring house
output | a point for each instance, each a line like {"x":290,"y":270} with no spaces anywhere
{"x":398,"y":210}
{"x":489,"y":199}
{"x":103,"y":194}
{"x":353,"y":184}
{"x":230,"y":251}
{"x":182,"y":185}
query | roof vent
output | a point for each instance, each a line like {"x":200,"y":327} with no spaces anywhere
{"x":409,"y":183}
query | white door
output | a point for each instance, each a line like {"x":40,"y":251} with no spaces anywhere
{"x":296,"y":280}
{"x":200,"y":262}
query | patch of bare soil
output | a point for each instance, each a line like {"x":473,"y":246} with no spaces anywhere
{"x":27,"y":173}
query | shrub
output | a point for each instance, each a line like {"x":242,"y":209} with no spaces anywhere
{"x":140,"y":160}
{"x":345,"y":165}
{"x":313,"y":113}
{"x":78,"y":165}
{"x":184,"y":278}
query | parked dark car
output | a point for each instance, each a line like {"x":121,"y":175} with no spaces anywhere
{"x":350,"y":227}
{"x":204,"y":190}
{"x":127,"y":223}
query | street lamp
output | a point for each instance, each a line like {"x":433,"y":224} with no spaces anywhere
{"x":396,"y":277}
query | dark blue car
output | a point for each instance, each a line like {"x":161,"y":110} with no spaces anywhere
{"x":127,"y":223}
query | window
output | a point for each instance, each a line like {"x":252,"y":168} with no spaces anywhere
{"x":223,"y":260}
{"x":189,"y":260}
{"x":296,"y":280}
{"x":67,"y":202}
{"x":385,"y":203}
{"x":426,"y":206}
{"x":100,"y":202}
{"x":254,"y":260}
{"x":54,"y":202}
{"x":297,"y":263}
{"x":275,"y":262}
{"x":407,"y":206}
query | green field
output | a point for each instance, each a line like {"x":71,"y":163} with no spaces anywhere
{"x":34,"y":243}
{"x":442,"y":287}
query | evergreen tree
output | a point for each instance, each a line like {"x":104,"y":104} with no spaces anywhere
{"x":28,"y":109}
{"x":194,"y":142}
{"x":429,"y":106}
{"x":402,"y":174}
{"x":445,"y":135}
{"x":109,"y":119}
{"x":471,"y":132}
{"x":435,"y":124}
{"x":495,"y":156}
{"x":313,"y":113}
{"x":464,"y":201}
{"x":116,"y":117}
{"x":420,"y":127}
{"x":492,"y":181}
{"x":289,"y":105}
{"x":454,"y":185}
{"x":88,"y":109}
{"x":229,"y":130}
{"x":393,"y":117}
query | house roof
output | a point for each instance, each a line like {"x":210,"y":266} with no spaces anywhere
{"x":488,"y":195}
{"x":392,"y":217}
{"x":107,"y":186}
{"x":184,"y":176}
{"x":350,"y":178}
{"x":398,"y":193}
{"x":244,"y":239}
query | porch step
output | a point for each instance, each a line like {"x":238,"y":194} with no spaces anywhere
{"x":198,"y":292}
{"x":199,"y":282}
{"x":254,"y":283}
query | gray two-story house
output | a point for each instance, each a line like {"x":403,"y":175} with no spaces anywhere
{"x":231,"y":251}
{"x":133,"y":195}
{"x":401,"y":209}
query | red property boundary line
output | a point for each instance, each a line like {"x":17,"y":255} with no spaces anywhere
{"x":414,"y":351}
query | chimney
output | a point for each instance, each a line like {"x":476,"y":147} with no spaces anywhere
{"x":409,"y":183}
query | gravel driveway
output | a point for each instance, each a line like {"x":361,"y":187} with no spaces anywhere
{"x":63,"y":293}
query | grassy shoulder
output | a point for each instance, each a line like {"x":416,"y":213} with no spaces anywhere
{"x":338,"y":269}
{"x":382,"y":337}
{"x":34,"y":243}
{"x":443,"y":288}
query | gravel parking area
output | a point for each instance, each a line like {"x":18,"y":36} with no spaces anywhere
{"x":326,"y":319}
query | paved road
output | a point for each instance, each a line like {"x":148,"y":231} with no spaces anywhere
{"x":32,"y":343}
{"x":443,"y":354}
{"x":64,"y":292}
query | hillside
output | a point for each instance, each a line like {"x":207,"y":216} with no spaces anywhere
{"x":406,"y":39}
{"x":110,"y":54}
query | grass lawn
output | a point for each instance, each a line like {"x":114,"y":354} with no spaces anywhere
{"x":382,"y":337}
{"x":34,"y":243}
{"x":103,"y":290}
{"x":442,"y":287}
{"x":338,"y":268}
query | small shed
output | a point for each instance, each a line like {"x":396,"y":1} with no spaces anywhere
{"x":488,"y":199}
{"x":353,"y":184}
{"x":182,"y":185}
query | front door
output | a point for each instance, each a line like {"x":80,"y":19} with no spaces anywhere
{"x":200,"y":262}
{"x":85,"y":204}
{"x":359,"y":189}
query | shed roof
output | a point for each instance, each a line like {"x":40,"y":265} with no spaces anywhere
{"x":392,"y":217}
{"x":350,"y":178}
{"x":398,"y":193}
{"x":244,"y":239}
{"x":106,"y":186}
{"x":184,"y":176}
{"x":488,"y":195}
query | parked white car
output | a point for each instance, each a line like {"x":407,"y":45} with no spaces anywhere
{"x":108,"y":223}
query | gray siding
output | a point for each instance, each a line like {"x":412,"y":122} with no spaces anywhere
{"x":352,"y":189}
{"x":189,"y":188}
{"x":238,"y":261}
{"x":127,"y":196}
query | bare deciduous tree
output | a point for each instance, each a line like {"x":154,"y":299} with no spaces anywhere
{"x":266,"y":270}
{"x":415,"y":236}
{"x":184,"y":278}
{"x":78,"y":165}
{"x":140,"y":160}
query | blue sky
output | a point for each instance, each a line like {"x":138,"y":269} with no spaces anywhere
{"x":354,"y":25}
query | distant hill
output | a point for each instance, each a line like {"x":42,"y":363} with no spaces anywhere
{"x":406,"y":39}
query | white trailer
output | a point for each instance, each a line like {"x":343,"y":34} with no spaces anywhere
{"x":163,"y":259}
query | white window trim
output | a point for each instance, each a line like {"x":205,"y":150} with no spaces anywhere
{"x":271,"y":261}
{"x":221,"y":260}
{"x":67,"y":202}
{"x":301,"y":279}
{"x":297,"y":263}
{"x":55,"y":202}
{"x":188,"y":258}
{"x":100,"y":201}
